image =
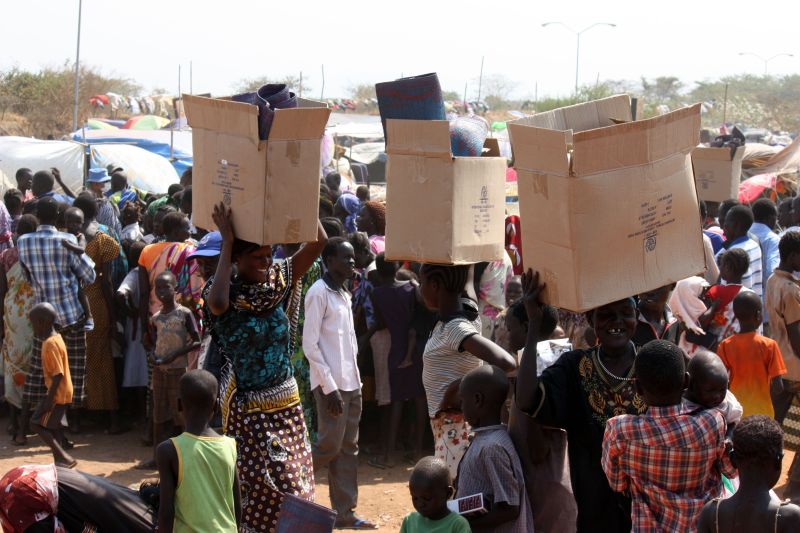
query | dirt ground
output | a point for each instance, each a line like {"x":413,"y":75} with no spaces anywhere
{"x":383,"y":494}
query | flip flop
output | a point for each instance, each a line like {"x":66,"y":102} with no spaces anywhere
{"x":70,"y":466}
{"x":359,"y":524}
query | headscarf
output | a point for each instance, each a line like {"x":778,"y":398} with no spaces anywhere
{"x":29,"y":494}
{"x":377,"y":211}
{"x":686,"y":304}
{"x":352,"y":205}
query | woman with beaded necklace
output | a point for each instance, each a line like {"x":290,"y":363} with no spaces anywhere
{"x":579,"y":393}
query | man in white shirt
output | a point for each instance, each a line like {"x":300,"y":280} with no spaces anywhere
{"x":330,"y":345}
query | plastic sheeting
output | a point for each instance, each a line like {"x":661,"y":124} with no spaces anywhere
{"x":155,"y":141}
{"x":36,"y":154}
{"x":145,"y":170}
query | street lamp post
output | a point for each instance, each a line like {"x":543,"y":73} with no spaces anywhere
{"x":578,"y":43}
{"x":77,"y":72}
{"x":766,"y":60}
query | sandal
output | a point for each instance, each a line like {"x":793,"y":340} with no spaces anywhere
{"x":69,"y":466}
{"x":358,"y":523}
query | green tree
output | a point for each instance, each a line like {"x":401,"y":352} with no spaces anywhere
{"x":362,"y":91}
{"x":45,"y":98}
{"x":248,"y":85}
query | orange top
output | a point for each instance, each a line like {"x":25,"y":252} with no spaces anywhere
{"x":55,"y":362}
{"x":752,"y":361}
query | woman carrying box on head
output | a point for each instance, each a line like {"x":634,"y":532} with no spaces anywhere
{"x":261,"y":405}
{"x":579,"y":393}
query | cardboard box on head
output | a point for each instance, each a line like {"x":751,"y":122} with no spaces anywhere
{"x":608,"y":210}
{"x":439,"y":208}
{"x":272,"y":186}
{"x":717,"y":172}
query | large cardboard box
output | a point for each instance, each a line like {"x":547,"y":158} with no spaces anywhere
{"x":439,"y":208}
{"x":607,"y":210}
{"x":272,"y":186}
{"x":717,"y":172}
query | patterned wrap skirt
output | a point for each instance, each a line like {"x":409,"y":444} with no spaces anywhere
{"x":274,"y":454}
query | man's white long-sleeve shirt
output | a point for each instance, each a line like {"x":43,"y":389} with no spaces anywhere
{"x":329,"y":339}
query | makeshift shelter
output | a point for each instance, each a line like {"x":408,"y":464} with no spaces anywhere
{"x":175,"y":146}
{"x":146,"y":171}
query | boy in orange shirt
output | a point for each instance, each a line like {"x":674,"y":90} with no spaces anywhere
{"x":754,"y":362}
{"x":47,"y":417}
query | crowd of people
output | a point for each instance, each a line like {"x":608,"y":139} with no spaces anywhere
{"x":251,"y":368}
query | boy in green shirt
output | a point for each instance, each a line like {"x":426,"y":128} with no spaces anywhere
{"x":430,"y":487}
{"x":199,"y":479}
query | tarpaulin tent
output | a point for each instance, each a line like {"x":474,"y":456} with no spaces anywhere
{"x":36,"y":154}
{"x":146,"y":171}
{"x":155,"y":141}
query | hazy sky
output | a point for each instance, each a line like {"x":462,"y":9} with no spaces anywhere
{"x":364,"y":41}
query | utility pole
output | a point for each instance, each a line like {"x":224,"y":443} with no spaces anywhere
{"x":77,"y":71}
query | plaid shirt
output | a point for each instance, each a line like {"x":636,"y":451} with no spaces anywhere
{"x":54,"y":271}
{"x":669,"y":461}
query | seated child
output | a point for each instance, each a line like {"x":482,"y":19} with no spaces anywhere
{"x":47,"y":416}
{"x":754,"y":362}
{"x":758,"y":455}
{"x":491,"y":465}
{"x":430,"y":486}
{"x":73,"y":219}
{"x":173,"y":333}
{"x":199,"y":488}
{"x":669,"y":461}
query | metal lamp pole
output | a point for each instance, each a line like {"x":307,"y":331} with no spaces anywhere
{"x":765,"y":60}
{"x":578,"y":44}
{"x":77,"y":71}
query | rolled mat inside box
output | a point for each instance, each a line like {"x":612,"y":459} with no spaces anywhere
{"x":467,"y":135}
{"x":298,"y":514}
{"x":412,"y":98}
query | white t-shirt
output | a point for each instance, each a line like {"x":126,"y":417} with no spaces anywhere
{"x":444,"y":360}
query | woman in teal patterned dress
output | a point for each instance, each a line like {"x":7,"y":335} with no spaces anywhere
{"x":260,"y":399}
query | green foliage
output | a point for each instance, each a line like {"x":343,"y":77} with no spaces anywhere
{"x":362,"y":91}
{"x":248,"y":85}
{"x":45,"y":98}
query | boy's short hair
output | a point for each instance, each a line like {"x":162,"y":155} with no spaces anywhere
{"x":47,"y":210}
{"x":431,"y":470}
{"x":86,"y":203}
{"x":724,"y":207}
{"x":738,"y":259}
{"x":13,"y":197}
{"x":740,"y":214}
{"x":174,"y":188}
{"x":789,"y":244}
{"x":362,"y":193}
{"x":763,"y":208}
{"x":168,"y":276}
{"x":757,"y":439}
{"x":27,"y":224}
{"x":172,"y":222}
{"x":197,"y":390}
{"x":452,"y":278}
{"x":359,"y":241}
{"x":490,"y":381}
{"x":332,"y":248}
{"x":660,"y":368}
{"x":384,"y":267}
{"x":745,"y":305}
{"x":549,"y":318}
{"x":333,"y":227}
